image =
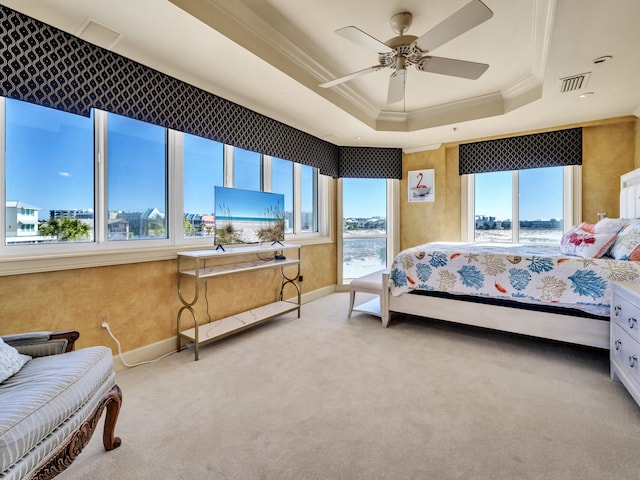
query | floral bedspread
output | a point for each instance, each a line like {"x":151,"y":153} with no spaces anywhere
{"x":526,"y":273}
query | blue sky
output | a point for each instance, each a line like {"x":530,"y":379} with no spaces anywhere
{"x":49,"y":162}
{"x":246,"y":203}
{"x":540,"y":194}
{"x":364,"y":198}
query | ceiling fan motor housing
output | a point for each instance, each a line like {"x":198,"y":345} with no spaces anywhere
{"x":403,"y":46}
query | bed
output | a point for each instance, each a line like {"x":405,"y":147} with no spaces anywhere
{"x":547,"y":291}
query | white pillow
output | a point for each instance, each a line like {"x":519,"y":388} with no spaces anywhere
{"x":609,"y":225}
{"x":580,"y":243}
{"x":11,"y":361}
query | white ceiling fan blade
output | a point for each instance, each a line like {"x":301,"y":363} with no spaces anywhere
{"x":396,"y":86}
{"x":363,"y":39}
{"x":472,"y":14}
{"x":351,"y":76}
{"x":453,"y":67}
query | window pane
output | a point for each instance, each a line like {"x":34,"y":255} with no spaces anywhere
{"x":203,"y":170}
{"x":493,"y":194}
{"x":247,"y":171}
{"x":364,"y":206}
{"x":540,"y":193}
{"x":362,"y":256}
{"x":49,"y":175}
{"x":309,"y":186}
{"x":137,"y":182}
{"x":282,"y":182}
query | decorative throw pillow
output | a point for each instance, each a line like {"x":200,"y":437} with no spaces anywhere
{"x":609,"y":225}
{"x":11,"y":361}
{"x":627,"y":246}
{"x":580,"y":243}
{"x":587,"y":227}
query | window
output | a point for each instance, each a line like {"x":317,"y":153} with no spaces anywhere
{"x":308,"y":194}
{"x":282,"y":182}
{"x":525,"y":206}
{"x":247,"y":171}
{"x":137,"y":185}
{"x":49,"y":171}
{"x":493,"y":208}
{"x":364,"y":226}
{"x":203,"y":170}
{"x":76,"y":184}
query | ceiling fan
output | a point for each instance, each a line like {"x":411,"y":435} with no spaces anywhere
{"x":403,"y":50}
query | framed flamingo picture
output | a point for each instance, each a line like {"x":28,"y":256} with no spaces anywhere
{"x":421,"y":185}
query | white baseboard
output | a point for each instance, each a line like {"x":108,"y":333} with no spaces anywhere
{"x":156,"y":350}
{"x":316,"y":294}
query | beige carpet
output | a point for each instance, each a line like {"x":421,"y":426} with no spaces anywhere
{"x":326,"y":397}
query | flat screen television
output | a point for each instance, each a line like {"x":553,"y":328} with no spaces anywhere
{"x":247,"y":216}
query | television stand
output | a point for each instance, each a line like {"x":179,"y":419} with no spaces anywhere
{"x":192,"y":268}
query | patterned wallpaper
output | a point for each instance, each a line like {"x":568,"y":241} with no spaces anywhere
{"x":49,"y":67}
{"x":549,"y":149}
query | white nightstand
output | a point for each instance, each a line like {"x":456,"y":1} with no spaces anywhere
{"x":625,"y":336}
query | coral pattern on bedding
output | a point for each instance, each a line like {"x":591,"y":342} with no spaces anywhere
{"x":526,"y":273}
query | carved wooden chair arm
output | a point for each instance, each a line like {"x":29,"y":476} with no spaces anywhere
{"x":41,"y":344}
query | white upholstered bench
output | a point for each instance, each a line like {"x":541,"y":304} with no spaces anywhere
{"x":372,"y":283}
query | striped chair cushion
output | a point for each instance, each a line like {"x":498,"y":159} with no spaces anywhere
{"x":45,"y":394}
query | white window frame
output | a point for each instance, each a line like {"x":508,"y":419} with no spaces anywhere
{"x":17,"y":259}
{"x":571,"y":204}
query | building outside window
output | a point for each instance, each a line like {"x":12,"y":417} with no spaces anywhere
{"x":49,"y":169}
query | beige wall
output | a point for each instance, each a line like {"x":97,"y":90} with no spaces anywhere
{"x":140,"y":299}
{"x":607,"y":152}
{"x":422,"y":222}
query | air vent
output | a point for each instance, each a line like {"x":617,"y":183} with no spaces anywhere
{"x":574,"y":82}
{"x":99,"y":35}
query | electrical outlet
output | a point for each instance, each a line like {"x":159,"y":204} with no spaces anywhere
{"x":103,"y":318}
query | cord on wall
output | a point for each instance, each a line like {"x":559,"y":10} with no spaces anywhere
{"x":105,"y":325}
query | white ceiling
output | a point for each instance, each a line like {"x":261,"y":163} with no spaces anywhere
{"x":270,"y":56}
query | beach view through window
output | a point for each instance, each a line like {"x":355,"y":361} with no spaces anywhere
{"x":539,"y":208}
{"x":364,"y":204}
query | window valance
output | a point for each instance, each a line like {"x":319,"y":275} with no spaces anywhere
{"x":370,"y":162}
{"x":49,"y":67}
{"x":548,"y":149}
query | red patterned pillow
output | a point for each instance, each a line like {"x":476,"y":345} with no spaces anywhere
{"x":580,"y":243}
